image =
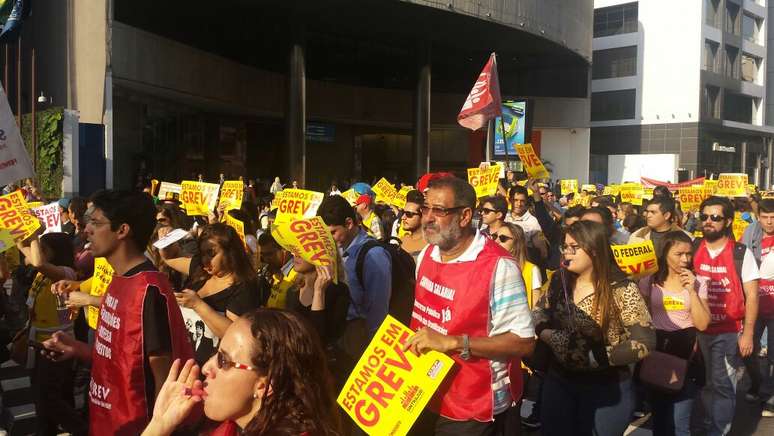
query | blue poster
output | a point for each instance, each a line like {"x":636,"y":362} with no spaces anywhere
{"x":515,"y":116}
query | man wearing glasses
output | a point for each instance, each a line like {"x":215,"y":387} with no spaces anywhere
{"x":733,"y":276}
{"x":493,"y":212}
{"x":412,"y":241}
{"x":470,"y":303}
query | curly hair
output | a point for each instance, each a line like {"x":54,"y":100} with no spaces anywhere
{"x":236,"y":260}
{"x":290,"y":355}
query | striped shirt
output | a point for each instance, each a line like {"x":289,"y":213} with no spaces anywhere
{"x":508,"y":311}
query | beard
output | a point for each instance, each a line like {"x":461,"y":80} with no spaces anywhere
{"x":445,"y":238}
{"x":713,"y":235}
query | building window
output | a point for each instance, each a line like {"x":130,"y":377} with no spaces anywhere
{"x":712,"y":17}
{"x":750,"y":28}
{"x":732,"y":19}
{"x":750,"y":67}
{"x":732,"y":62}
{"x":711,"y":103}
{"x":615,"y":20}
{"x":613,"y":105}
{"x":614,"y":62}
{"x":738,"y":108}
{"x":711,"y":56}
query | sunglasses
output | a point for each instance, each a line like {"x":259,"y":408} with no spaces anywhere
{"x":224,"y":363}
{"x":715,"y":218}
{"x":409,"y":214}
{"x":440,"y":211}
{"x":487,"y":210}
{"x":502,"y":238}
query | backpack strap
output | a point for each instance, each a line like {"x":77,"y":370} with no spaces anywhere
{"x":739,"y":251}
{"x":368,"y":245}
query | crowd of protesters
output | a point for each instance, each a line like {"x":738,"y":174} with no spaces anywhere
{"x":259,"y":340}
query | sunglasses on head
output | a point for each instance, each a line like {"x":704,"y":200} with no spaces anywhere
{"x":716,"y":218}
{"x":502,"y":238}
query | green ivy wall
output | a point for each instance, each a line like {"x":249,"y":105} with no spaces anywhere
{"x":48,"y":170}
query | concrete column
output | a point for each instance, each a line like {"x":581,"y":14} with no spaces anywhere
{"x":758,"y":164}
{"x":296,"y":112}
{"x":421,"y":119}
{"x":743,"y":151}
{"x":769,"y":161}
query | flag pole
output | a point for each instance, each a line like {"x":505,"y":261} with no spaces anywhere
{"x":502,"y":122}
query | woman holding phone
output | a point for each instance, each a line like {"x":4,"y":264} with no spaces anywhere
{"x":678,"y":305}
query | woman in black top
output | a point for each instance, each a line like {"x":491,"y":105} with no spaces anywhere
{"x":221,"y":286}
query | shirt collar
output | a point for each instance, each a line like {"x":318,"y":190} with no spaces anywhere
{"x":524,"y":217}
{"x":469,"y":255}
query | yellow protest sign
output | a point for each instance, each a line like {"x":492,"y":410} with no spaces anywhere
{"x":751,"y":189}
{"x":237,"y":225}
{"x":532,"y":162}
{"x":16,"y":217}
{"x":588,"y":187}
{"x":389,"y":387}
{"x":484,"y":181}
{"x":6,"y":240}
{"x":400,"y":200}
{"x":168,"y":190}
{"x":231,"y":194}
{"x":310,"y":239}
{"x":738,"y":226}
{"x":198,"y":198}
{"x":296,"y":204}
{"x":636,"y":260}
{"x":385,"y":191}
{"x":732,"y":185}
{"x":34,"y":204}
{"x":710,"y":186}
{"x":612,"y":189}
{"x":632,"y":193}
{"x":350,"y":195}
{"x":647,"y":193}
{"x":690,"y":198}
{"x":698,"y":234}
{"x":103,"y":275}
{"x":672,"y":303}
{"x":568,"y":185}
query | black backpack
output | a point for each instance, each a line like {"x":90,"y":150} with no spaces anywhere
{"x":403,"y":278}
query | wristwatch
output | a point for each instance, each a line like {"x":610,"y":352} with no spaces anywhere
{"x":465,"y":354}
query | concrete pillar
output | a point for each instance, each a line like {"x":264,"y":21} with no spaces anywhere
{"x":743,"y":151}
{"x":421,"y":119}
{"x":769,"y":161}
{"x":296,"y":112}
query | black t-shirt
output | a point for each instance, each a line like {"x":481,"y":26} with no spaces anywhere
{"x":239,"y":298}
{"x":329,"y":322}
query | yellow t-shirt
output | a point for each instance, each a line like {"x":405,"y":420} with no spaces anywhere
{"x":279,"y":289}
{"x":45,"y":315}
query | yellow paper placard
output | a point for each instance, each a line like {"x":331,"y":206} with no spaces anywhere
{"x":16,"y":217}
{"x":612,"y":189}
{"x":698,"y":234}
{"x":647,"y":193}
{"x":636,"y":260}
{"x":199,"y":198}
{"x":385,"y":191}
{"x":34,"y":204}
{"x":588,"y":187}
{"x":389,"y":388}
{"x":532,"y":162}
{"x":672,"y":304}
{"x":350,"y":195}
{"x":568,"y":186}
{"x":732,"y":185}
{"x":484,"y":181}
{"x":231,"y":194}
{"x":168,"y":190}
{"x":738,"y":226}
{"x":400,"y":200}
{"x":6,"y":240}
{"x":310,"y":239}
{"x":632,"y":193}
{"x":103,"y":275}
{"x":296,"y":204}
{"x":690,"y":198}
{"x":237,"y":225}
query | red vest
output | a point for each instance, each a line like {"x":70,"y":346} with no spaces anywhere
{"x":726,"y":295}
{"x":118,"y":403}
{"x":766,"y":287}
{"x":454,"y":299}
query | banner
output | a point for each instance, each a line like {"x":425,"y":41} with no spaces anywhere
{"x":168,"y":190}
{"x":731,"y":185}
{"x":350,"y":195}
{"x":6,"y":240}
{"x":532,"y":162}
{"x":652,"y":183}
{"x":385,"y":191}
{"x":400,"y":200}
{"x":50,"y":216}
{"x":636,"y":260}
{"x":647,"y":193}
{"x":103,"y":275}
{"x":237,"y":225}
{"x":738,"y":226}
{"x":483,"y":102}
{"x":310,"y":239}
{"x":15,"y":162}
{"x":199,"y":198}
{"x":484,"y":181}
{"x":231,"y":194}
{"x":296,"y":204}
{"x":16,"y":216}
{"x":568,"y":186}
{"x":612,"y":189}
{"x":631,"y":193}
{"x":389,"y":387}
{"x":691,"y":198}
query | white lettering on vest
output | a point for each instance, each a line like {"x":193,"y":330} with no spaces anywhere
{"x":110,"y":319}
{"x":713,"y":269}
{"x":433,"y":325}
{"x":437,"y":289}
{"x":111,"y":301}
{"x":105,"y":334}
{"x":102,"y":349}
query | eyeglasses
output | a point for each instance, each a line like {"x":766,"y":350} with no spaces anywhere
{"x":95,"y":223}
{"x":409,"y":214}
{"x":163,"y":220}
{"x":569,"y":249}
{"x":440,"y":211}
{"x":715,"y":218}
{"x":224,"y":363}
{"x":486,"y":210}
{"x":502,"y":238}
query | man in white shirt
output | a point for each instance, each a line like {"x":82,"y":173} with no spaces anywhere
{"x":520,"y":215}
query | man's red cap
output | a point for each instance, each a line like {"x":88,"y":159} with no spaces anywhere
{"x":427,"y":178}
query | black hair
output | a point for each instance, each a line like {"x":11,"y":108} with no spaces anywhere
{"x":603,"y":201}
{"x":604,"y":213}
{"x":662,"y":191}
{"x":78,"y":207}
{"x":335,"y":210}
{"x":633,"y":222}
{"x":61,"y":247}
{"x":199,"y":323}
{"x":415,"y":197}
{"x":728,"y":208}
{"x":498,"y":202}
{"x":241,"y":215}
{"x":464,"y":194}
{"x":670,"y":239}
{"x":665,"y":204}
{"x":267,"y":239}
{"x":766,"y":205}
{"x":576,"y":211}
{"x":518,"y":189}
{"x":134,"y":209}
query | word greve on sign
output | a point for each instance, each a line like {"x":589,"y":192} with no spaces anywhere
{"x":731,"y":185}
{"x":390,"y":387}
{"x":231,"y":194}
{"x":568,"y":186}
{"x":49,"y":214}
{"x":310,"y":239}
{"x":295,"y":204}
{"x":484,"y":180}
{"x":691,"y":197}
{"x":16,"y":217}
{"x":632,"y":193}
{"x":385,"y":191}
{"x":636,"y":260}
{"x":199,"y":198}
{"x":531,"y":161}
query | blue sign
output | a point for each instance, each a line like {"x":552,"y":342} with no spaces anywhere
{"x":318,"y":132}
{"x":515,"y":120}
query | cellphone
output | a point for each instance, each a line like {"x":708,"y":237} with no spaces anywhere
{"x":40,"y":347}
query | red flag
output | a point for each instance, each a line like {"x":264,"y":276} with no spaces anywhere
{"x":483,"y":102}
